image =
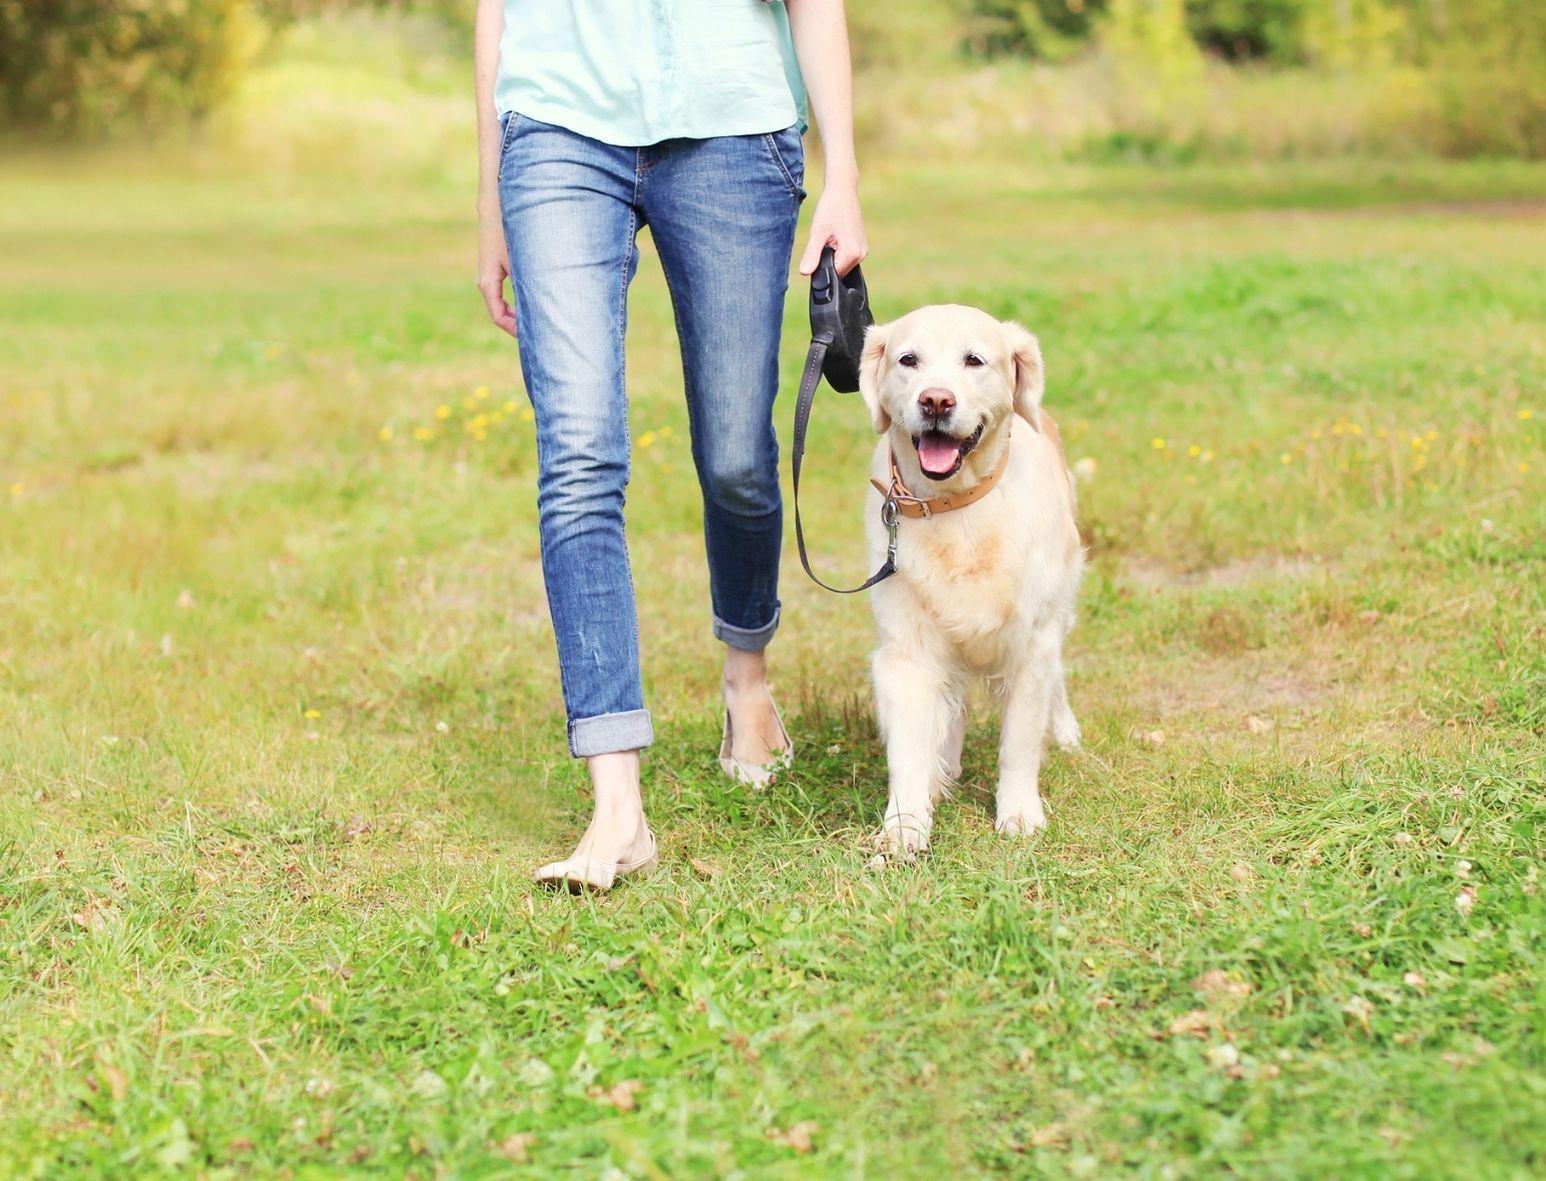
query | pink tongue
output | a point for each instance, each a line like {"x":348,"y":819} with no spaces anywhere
{"x":937,"y":454}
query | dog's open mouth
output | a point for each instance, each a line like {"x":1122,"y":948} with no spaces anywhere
{"x":941,"y":455}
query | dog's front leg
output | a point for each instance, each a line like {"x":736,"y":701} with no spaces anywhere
{"x":1027,"y":705}
{"x":915,"y":713}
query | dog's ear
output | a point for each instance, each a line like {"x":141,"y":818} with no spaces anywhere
{"x":872,"y":364}
{"x":1030,"y":378}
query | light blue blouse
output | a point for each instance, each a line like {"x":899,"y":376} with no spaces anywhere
{"x":634,"y":72}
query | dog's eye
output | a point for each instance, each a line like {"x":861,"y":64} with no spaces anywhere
{"x":908,"y":360}
{"x":973,"y":361}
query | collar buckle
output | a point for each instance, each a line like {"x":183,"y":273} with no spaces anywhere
{"x":899,"y":495}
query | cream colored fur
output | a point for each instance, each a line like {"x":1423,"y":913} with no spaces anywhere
{"x":986,"y":591}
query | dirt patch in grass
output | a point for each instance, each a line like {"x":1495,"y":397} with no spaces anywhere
{"x":1253,"y":683}
{"x":1149,"y":571}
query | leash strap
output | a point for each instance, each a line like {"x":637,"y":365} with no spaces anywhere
{"x":809,"y":380}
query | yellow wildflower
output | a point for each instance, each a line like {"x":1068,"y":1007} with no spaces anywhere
{"x":647,"y":439}
{"x":1194,"y":450}
{"x":527,"y":414}
{"x":1158,"y":444}
{"x":480,"y":393}
{"x":384,"y":434}
{"x":313,"y":713}
{"x":1285,"y":458}
{"x":664,"y":432}
{"x":442,"y":412}
{"x":1526,"y":414}
{"x":18,"y":488}
{"x":510,"y":407}
{"x":423,"y":434}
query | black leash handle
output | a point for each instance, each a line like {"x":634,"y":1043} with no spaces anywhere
{"x":809,"y":380}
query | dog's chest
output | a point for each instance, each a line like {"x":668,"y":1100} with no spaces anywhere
{"x":967,"y":581}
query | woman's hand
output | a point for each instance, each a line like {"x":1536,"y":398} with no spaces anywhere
{"x":493,"y":270}
{"x":837,"y":223}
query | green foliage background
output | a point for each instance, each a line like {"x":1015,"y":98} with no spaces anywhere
{"x":95,"y":66}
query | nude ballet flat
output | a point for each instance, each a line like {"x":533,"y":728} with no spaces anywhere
{"x":579,"y":874}
{"x":757,"y":775}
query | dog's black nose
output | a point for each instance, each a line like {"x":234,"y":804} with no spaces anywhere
{"x":936,"y":403}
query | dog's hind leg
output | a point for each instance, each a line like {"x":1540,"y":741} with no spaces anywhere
{"x":950,"y":756}
{"x":912,"y":698}
{"x":1027,"y":714}
{"x":1064,"y":726}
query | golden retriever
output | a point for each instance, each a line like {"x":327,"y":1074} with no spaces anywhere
{"x":983,"y":590}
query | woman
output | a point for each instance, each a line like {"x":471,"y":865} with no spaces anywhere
{"x":597,"y":117}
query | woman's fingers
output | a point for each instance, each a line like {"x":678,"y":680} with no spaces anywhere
{"x":838,"y":224}
{"x":850,"y":252}
{"x":814,"y":245}
{"x":499,"y":309}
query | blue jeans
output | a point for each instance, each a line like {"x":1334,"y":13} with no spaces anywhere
{"x":722,"y":214}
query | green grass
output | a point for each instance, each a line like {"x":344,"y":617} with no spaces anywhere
{"x":283,"y":737}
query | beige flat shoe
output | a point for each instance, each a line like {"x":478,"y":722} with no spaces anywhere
{"x":579,"y":874}
{"x":757,"y":775}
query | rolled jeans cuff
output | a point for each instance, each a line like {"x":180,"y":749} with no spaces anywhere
{"x":606,"y":734}
{"x":746,"y":639}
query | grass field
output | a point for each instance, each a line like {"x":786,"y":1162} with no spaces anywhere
{"x":283,"y":739}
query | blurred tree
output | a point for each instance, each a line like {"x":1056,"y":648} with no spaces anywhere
{"x":1347,"y":34}
{"x":1488,"y":58}
{"x":1048,"y":29}
{"x":1241,"y":30}
{"x":1151,"y":35}
{"x":88,"y":65}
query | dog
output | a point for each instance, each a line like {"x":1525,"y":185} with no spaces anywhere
{"x":988,"y":560}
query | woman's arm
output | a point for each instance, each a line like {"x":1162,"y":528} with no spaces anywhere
{"x":493,"y":258}
{"x":820,"y":29}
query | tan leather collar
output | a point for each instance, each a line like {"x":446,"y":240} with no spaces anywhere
{"x":923,"y":507}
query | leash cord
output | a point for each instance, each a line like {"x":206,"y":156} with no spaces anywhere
{"x":809,"y":380}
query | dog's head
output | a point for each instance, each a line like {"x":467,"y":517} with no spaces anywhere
{"x":947,"y":378}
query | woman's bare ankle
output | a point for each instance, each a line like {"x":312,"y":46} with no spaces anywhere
{"x":745,"y":672}
{"x":618,"y":830}
{"x":755,"y":732}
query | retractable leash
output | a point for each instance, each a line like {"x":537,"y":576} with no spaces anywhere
{"x":840,"y":312}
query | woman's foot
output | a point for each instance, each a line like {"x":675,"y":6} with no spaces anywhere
{"x":618,"y":841}
{"x":756,"y":733}
{"x":755,"y":743}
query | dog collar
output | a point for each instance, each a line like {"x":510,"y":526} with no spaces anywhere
{"x":924,"y":507}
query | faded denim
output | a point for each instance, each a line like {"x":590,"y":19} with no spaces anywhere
{"x":722,"y":213}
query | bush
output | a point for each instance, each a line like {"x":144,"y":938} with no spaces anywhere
{"x":91,"y":65}
{"x":1047,"y":29}
{"x":1490,"y":80}
{"x":1245,"y":30}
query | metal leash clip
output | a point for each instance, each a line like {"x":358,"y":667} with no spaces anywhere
{"x":890,"y":514}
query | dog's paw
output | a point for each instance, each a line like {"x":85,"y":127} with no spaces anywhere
{"x":901,"y":839}
{"x":1021,"y":820}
